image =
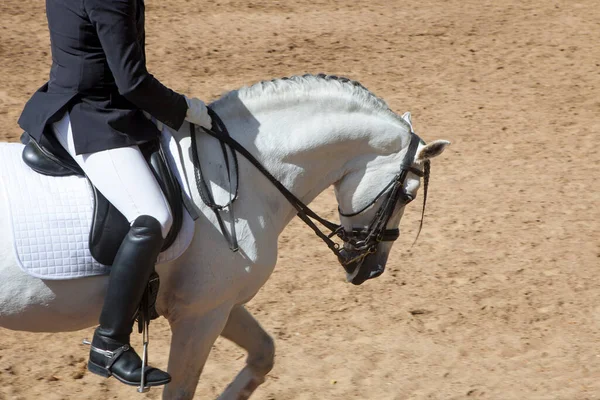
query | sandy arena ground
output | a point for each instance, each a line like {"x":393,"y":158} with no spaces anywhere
{"x":500,"y":298}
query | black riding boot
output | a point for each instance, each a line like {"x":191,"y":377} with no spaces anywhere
{"x":111,"y":354}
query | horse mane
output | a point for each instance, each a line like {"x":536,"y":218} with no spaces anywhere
{"x":308,"y":84}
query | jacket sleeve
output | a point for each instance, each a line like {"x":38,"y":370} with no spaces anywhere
{"x":115,"y":24}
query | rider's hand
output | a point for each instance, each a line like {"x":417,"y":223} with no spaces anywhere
{"x":197,"y":113}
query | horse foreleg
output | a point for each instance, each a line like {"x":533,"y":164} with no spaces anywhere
{"x":191,"y":342}
{"x":243,"y":330}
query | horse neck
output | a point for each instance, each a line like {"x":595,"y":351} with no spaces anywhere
{"x":309,"y":144}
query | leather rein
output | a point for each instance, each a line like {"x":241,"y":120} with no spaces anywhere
{"x":361,"y":241}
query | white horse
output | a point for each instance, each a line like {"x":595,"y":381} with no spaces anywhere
{"x":310,"y":132}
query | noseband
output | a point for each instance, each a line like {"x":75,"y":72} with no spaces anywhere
{"x":358,"y":243}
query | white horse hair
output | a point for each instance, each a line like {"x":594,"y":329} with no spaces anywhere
{"x":310,"y":132}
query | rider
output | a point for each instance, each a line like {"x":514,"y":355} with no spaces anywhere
{"x":94,"y":104}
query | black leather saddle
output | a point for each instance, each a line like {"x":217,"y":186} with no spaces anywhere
{"x":109,"y":226}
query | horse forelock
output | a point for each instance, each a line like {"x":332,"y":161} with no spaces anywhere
{"x":313,"y":85}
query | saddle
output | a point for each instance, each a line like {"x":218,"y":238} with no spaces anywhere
{"x":109,"y":226}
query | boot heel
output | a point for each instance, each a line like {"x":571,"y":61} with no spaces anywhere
{"x":98,"y":370}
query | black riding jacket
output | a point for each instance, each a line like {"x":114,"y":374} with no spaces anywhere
{"x":99,"y":76}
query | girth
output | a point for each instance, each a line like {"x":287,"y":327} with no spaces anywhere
{"x":109,"y":226}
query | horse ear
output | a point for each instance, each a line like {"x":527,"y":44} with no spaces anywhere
{"x":406,"y":117}
{"x":431,"y":150}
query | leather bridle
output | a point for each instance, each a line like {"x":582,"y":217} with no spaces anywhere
{"x":363,"y":243}
{"x":358,"y":243}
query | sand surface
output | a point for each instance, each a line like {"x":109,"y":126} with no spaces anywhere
{"x":499,"y":299}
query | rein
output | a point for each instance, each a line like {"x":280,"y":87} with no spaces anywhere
{"x":303,"y":211}
{"x":363,"y":241}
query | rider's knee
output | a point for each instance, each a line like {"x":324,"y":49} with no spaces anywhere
{"x":164,"y":218}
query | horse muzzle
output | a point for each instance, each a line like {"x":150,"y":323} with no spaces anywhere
{"x":360,"y":266}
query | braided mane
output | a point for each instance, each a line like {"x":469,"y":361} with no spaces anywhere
{"x":308,"y":85}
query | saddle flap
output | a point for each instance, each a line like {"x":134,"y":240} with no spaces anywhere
{"x":108,"y":229}
{"x":109,"y":226}
{"x":171,"y":189}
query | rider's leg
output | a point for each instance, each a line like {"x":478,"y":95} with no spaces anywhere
{"x":124,"y":178}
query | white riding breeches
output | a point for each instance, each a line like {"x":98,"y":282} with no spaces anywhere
{"x":122,"y":176}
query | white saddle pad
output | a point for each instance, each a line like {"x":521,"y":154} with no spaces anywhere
{"x":51,"y":219}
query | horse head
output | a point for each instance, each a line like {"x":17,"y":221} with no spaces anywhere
{"x":371,"y":203}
